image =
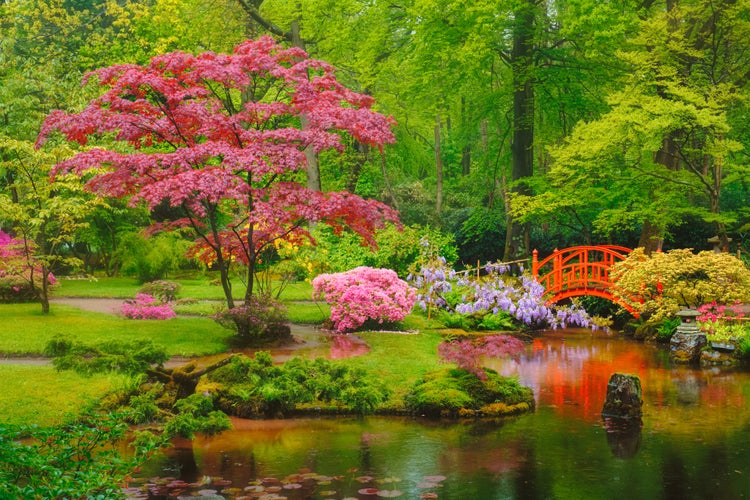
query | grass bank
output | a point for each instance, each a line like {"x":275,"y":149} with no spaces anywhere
{"x":43,"y":396}
{"x":34,"y":394}
{"x":27,"y":330}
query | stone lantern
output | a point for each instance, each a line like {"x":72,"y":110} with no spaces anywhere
{"x":688,"y":341}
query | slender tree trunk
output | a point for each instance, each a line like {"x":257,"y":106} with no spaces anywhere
{"x":438,"y":170}
{"x":522,"y":148}
{"x":311,"y":157}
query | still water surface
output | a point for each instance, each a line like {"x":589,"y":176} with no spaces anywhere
{"x":694,"y":442}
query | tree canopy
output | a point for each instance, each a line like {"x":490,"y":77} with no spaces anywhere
{"x":219,"y":139}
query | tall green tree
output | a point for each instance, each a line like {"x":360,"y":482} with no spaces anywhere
{"x":43,"y":213}
{"x":667,"y":147}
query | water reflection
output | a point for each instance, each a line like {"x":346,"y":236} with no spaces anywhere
{"x":694,"y":442}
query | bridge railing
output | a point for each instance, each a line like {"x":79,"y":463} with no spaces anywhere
{"x":578,"y":271}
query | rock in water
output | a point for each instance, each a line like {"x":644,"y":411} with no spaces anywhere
{"x":624,"y":397}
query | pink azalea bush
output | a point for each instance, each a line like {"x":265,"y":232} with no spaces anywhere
{"x":363,"y":294}
{"x":17,"y":274}
{"x":146,"y":306}
{"x":713,"y":312}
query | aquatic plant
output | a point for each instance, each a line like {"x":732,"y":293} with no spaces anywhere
{"x":362,"y":294}
{"x":303,"y":484}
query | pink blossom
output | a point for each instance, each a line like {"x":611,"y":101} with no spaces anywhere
{"x":146,"y":306}
{"x":362,"y":294}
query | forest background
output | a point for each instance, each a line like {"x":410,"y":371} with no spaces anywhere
{"x":522,"y":124}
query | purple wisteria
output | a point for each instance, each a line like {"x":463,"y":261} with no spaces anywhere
{"x":491,"y":290}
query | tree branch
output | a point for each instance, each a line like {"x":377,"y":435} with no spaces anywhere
{"x":253,"y":12}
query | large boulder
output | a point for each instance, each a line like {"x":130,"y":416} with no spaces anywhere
{"x":686,"y":348}
{"x":624,"y":397}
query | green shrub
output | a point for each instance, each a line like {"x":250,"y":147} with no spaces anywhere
{"x":196,"y":415}
{"x":666,"y":329}
{"x":450,"y":390}
{"x":255,"y":387}
{"x":150,"y":259}
{"x":81,"y":459}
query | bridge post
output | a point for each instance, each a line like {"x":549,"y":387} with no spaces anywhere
{"x":535,"y":263}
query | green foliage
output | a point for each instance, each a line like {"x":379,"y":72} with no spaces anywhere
{"x":397,"y":249}
{"x":196,"y":414}
{"x":165,"y":291}
{"x":501,"y":321}
{"x":111,"y":356}
{"x":255,"y":387}
{"x":481,"y":237}
{"x":660,"y":284}
{"x":151,"y":259}
{"x":450,"y":390}
{"x":76,"y":460}
{"x":667,"y":328}
{"x":729,"y":332}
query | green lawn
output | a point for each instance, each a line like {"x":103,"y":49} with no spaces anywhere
{"x":38,"y":394}
{"x":203,"y":288}
{"x":26,"y":330}
{"x":43,"y":396}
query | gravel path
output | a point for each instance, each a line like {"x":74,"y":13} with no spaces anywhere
{"x":107,"y":306}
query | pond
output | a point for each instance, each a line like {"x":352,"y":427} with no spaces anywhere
{"x":694,"y":442}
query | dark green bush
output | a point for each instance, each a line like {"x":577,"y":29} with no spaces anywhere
{"x":256,"y":388}
{"x":450,"y":390}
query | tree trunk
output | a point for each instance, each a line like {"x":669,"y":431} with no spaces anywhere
{"x":311,"y":157}
{"x":522,"y":148}
{"x":438,"y":170}
{"x":181,"y":381}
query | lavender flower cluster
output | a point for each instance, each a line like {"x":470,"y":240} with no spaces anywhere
{"x":493,"y":290}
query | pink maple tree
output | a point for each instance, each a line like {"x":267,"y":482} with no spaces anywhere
{"x":221,"y":138}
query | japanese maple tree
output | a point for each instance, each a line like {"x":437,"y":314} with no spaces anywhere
{"x":220,"y":137}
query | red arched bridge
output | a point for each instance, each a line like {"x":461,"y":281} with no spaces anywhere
{"x":579,"y":271}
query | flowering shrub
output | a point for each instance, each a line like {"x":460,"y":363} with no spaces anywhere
{"x":362,"y":294}
{"x":146,"y":306}
{"x":480,"y":298}
{"x":661,"y":284}
{"x":467,"y":354}
{"x":262,"y":318}
{"x":724,"y":324}
{"x":714,"y":312}
{"x":165,"y":291}
{"x":17,"y":279}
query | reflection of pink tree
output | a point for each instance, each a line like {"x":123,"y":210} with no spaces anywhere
{"x":468,"y":354}
{"x":347,"y":346}
{"x":20,"y":273}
